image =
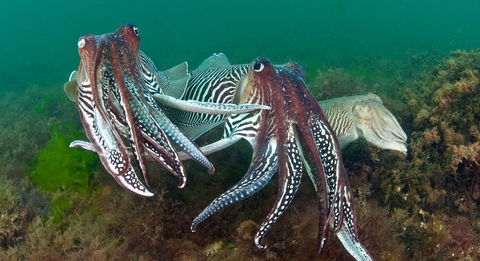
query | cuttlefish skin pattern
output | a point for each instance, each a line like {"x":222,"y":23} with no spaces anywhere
{"x":352,"y":117}
{"x":293,"y":134}
{"x":113,"y":100}
{"x":364,"y":116}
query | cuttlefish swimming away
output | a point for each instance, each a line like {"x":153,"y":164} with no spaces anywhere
{"x":292,"y":135}
{"x":111,"y":92}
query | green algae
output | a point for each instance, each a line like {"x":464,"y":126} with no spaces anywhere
{"x":59,"y":167}
{"x":62,"y":169}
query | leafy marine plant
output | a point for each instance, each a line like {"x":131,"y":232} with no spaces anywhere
{"x":62,"y":169}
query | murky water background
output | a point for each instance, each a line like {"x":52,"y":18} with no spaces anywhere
{"x":38,"y":40}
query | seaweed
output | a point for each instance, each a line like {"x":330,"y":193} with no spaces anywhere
{"x":60,"y":167}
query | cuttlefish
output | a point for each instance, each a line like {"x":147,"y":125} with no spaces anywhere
{"x":111,"y":92}
{"x":294,"y":134}
{"x":216,"y":80}
{"x":364,"y":116}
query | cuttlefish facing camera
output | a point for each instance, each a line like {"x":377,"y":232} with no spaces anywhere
{"x":111,"y":92}
{"x":292,"y":135}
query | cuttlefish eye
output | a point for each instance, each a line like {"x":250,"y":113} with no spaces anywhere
{"x":81,"y":43}
{"x":258,"y":66}
{"x":135,"y":30}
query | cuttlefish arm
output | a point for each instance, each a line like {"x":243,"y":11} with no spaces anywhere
{"x":207,"y":107}
{"x":264,"y":164}
{"x":105,"y":140}
{"x":293,"y":134}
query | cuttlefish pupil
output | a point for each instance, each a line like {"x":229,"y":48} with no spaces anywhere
{"x":258,"y":67}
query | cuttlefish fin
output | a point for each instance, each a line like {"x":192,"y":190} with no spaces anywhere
{"x":173,"y":81}
{"x":216,"y":60}
{"x":346,"y":139}
{"x":193,"y":132}
{"x":70,"y":87}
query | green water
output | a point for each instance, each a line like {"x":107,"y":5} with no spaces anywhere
{"x":388,"y":47}
{"x":38,"y":40}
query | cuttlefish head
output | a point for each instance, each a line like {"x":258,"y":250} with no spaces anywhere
{"x":97,"y":52}
{"x":96,"y":55}
{"x":378,"y":125}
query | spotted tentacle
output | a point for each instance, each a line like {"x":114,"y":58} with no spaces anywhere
{"x":332,"y":168}
{"x":152,"y":78}
{"x":290,"y":176}
{"x":264,"y":165}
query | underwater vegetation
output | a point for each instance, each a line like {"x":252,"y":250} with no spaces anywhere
{"x":432,"y":195}
{"x":422,"y":206}
{"x":59,"y":167}
{"x":437,"y":190}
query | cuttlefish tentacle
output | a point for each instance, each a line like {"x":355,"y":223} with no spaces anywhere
{"x":149,"y":137}
{"x":161,"y":123}
{"x":264,"y":165}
